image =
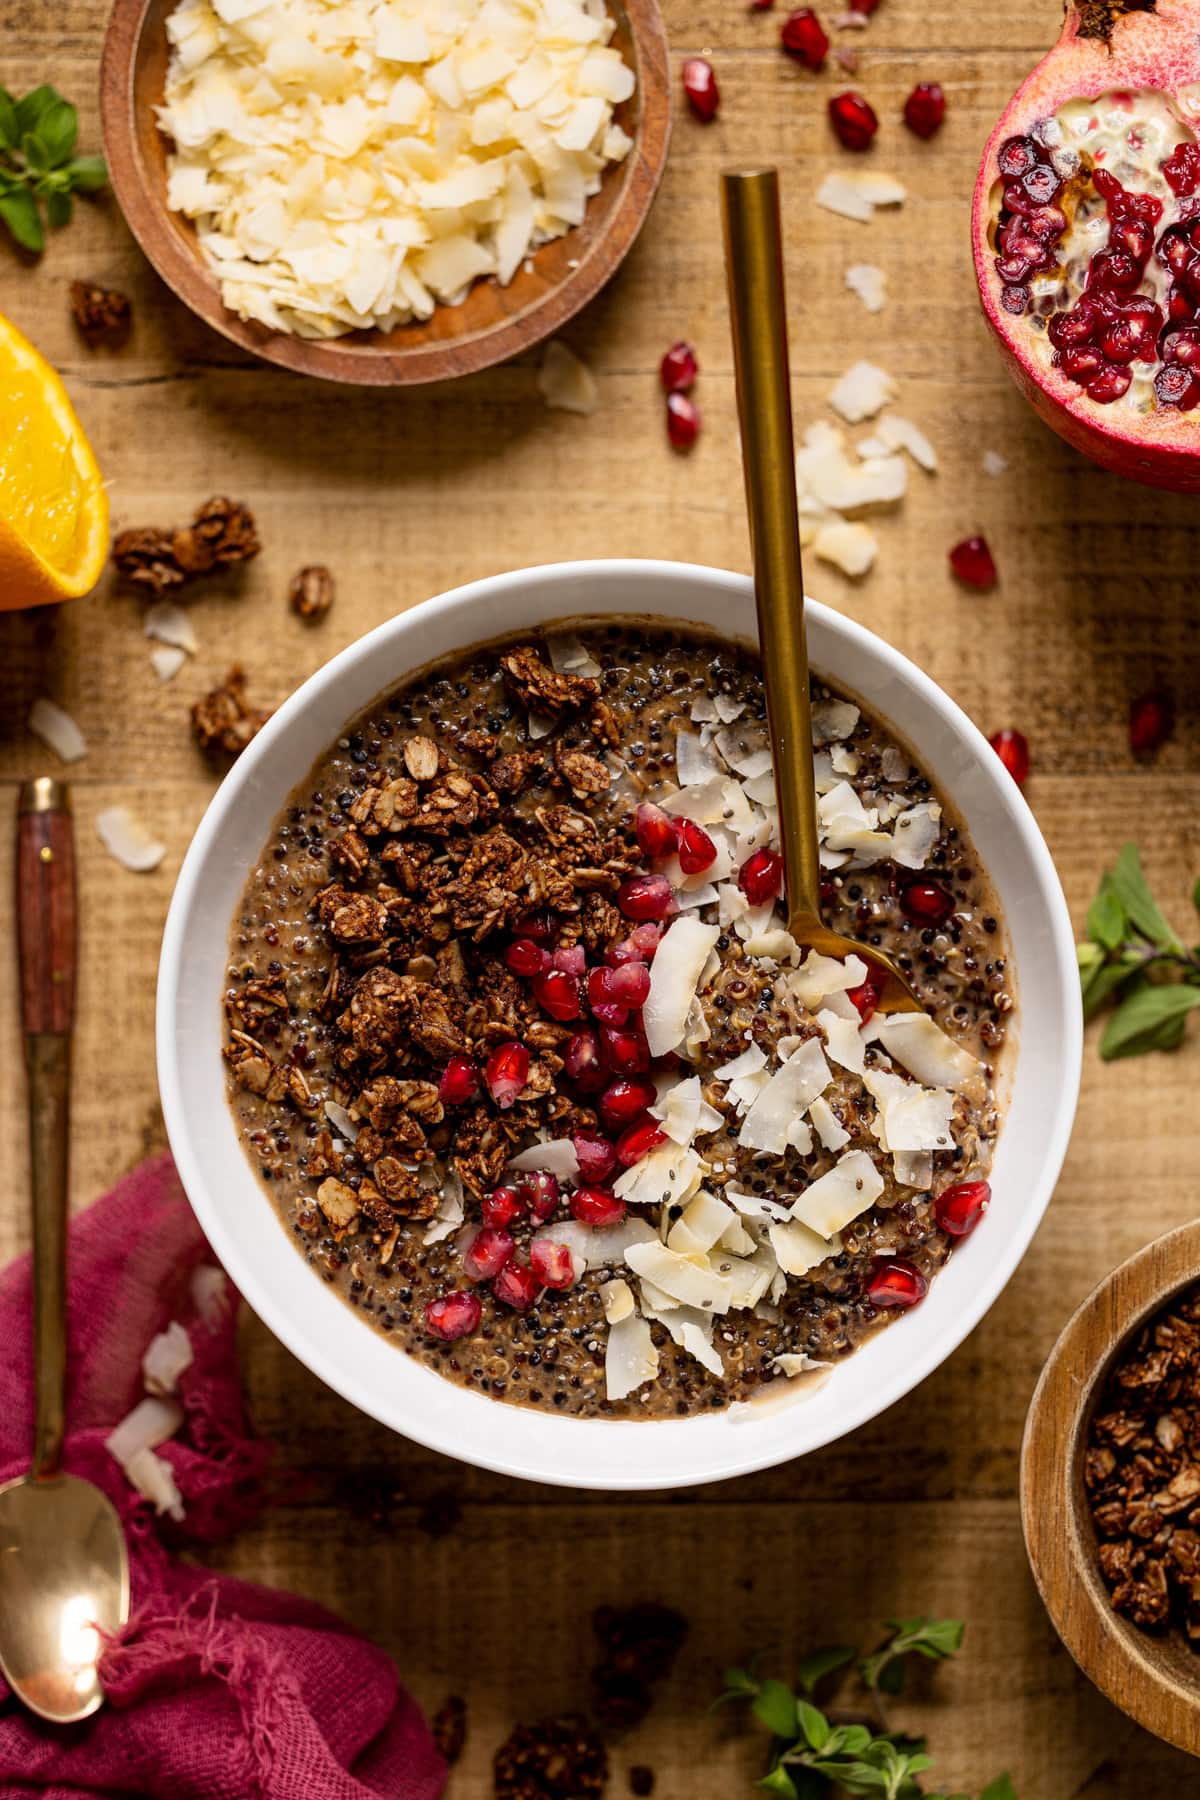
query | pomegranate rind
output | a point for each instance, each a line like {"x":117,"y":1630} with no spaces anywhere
{"x":1159,"y":50}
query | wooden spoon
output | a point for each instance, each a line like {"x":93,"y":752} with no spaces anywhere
{"x":754,"y":263}
{"x":64,"y":1568}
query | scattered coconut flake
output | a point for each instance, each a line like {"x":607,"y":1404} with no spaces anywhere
{"x":570,"y":656}
{"x":994,"y":463}
{"x":703,"y":710}
{"x":828,"y":1128}
{"x":728,"y":709}
{"x":819,"y":976}
{"x":840,"y":1195}
{"x":566,"y":381}
{"x":127,"y":839}
{"x":909,"y":1117}
{"x":893,"y":764}
{"x":825,"y":470}
{"x":703,"y":1223}
{"x":797,"y":1248}
{"x":682,"y":953}
{"x":450,"y":1213}
{"x":852,"y":21}
{"x":863,"y":390}
{"x":915,"y":833}
{"x":846,"y":1044}
{"x":209,"y":1288}
{"x":681,"y":1278}
{"x":151,"y":1422}
{"x":901,"y":434}
{"x":171,"y":624}
{"x":914,"y":1169}
{"x":918,"y":1043}
{"x":847,"y":59}
{"x":833,"y":721}
{"x":539,"y":725}
{"x":790,"y":1091}
{"x":167,"y":661}
{"x":752,"y":1059}
{"x":753,"y":1206}
{"x":616,"y":1297}
{"x":165,"y":1359}
{"x":598,"y":1247}
{"x":849,"y":545}
{"x":58,"y":730}
{"x":692,"y":1330}
{"x":342,"y":1123}
{"x":855,"y":196}
{"x":695,"y":765}
{"x":798,"y":1362}
{"x":869,"y":283}
{"x":668,"y":1176}
{"x":555,"y":1157}
{"x":154,"y":1479}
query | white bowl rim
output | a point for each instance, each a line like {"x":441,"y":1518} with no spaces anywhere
{"x":430,"y":1431}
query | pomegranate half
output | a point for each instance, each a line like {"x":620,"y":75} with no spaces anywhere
{"x":1086,"y":233}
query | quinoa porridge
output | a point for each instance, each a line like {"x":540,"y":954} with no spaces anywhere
{"x":531,"y":1068}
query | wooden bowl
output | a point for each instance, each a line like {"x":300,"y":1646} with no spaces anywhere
{"x":1155,"y":1679}
{"x":491,"y":324}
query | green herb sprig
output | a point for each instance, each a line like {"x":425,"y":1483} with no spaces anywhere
{"x":39,"y":169}
{"x":1132,"y":958}
{"x":814,"y":1754}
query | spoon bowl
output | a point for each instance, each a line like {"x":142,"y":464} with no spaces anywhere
{"x":64,"y":1587}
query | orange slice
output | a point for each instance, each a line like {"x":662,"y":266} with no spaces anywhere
{"x":53,"y":507}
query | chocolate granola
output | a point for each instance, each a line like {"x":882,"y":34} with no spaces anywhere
{"x":524,"y":908}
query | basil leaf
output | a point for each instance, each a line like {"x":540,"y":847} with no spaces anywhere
{"x":34,"y":106}
{"x":10,"y":130}
{"x":1151,"y":1018}
{"x":1129,"y":884}
{"x":820,"y":1663}
{"x":775,"y":1705}
{"x":88,"y":174}
{"x":18,"y":209}
{"x":813,"y":1724}
{"x":58,"y":208}
{"x":1107,"y":921}
{"x":57,"y":130}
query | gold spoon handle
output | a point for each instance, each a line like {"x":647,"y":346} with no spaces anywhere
{"x":46,"y":936}
{"x":754,"y":264}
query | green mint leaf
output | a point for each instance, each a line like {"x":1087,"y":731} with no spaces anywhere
{"x":1088,"y":955}
{"x":1000,"y":1789}
{"x":890,"y":1676}
{"x":57,"y":129}
{"x":1196,"y":894}
{"x":854,"y":1739}
{"x":1151,"y":1018}
{"x":821,"y":1663}
{"x":58,"y":209}
{"x":1129,"y":884}
{"x":814,"y":1725}
{"x":935,"y":1638}
{"x":10,"y":130}
{"x":739,"y":1681}
{"x":36,"y":155}
{"x":775,"y":1707}
{"x":856,"y":1777}
{"x":88,"y":174}
{"x":1102,"y":982}
{"x":32,"y":109}
{"x":18,"y":210}
{"x":779,"y":1782}
{"x":1107,"y":921}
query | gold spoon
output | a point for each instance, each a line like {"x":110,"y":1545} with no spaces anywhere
{"x":754,"y":263}
{"x":64,"y":1569}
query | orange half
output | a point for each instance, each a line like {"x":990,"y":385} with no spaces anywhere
{"x":53,"y":507}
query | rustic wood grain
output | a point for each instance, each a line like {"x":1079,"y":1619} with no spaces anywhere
{"x":492,"y":323}
{"x":403,"y":494}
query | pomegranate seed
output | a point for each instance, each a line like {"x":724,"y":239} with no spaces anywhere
{"x":654,"y":831}
{"x":1151,"y":720}
{"x":1016,"y":155}
{"x":1182,"y":169}
{"x":516,"y":1286}
{"x":1134,"y":237}
{"x":895,"y":1282}
{"x":958,"y":1209}
{"x":1014,"y":299}
{"x":626,"y":1052}
{"x":506,"y":1073}
{"x":1041,"y":184}
{"x":608,"y":1012}
{"x":542,"y":927}
{"x":625,"y":1100}
{"x":646,"y":939}
{"x":581,"y":1059}
{"x":488,"y":1252}
{"x":453,"y":1316}
{"x":1114,"y":271}
{"x":1013,"y":750}
{"x":926,"y":902}
{"x":853,"y":120}
{"x":972,"y":563}
{"x":696,"y":849}
{"x":1074,"y":327}
{"x":761,"y":5}
{"x":804,"y":38}
{"x":559,"y":993}
{"x":761,"y":876}
{"x":459,"y":1082}
{"x":646,"y":897}
{"x":596,"y":1156}
{"x":1014,"y":271}
{"x":683,"y":421}
{"x":552,"y":1263}
{"x":628,"y":985}
{"x":1175,"y":385}
{"x":502,"y":1206}
{"x":863,"y":6}
{"x":925,"y":109}
{"x":700,"y":86}
{"x":596,"y":1207}
{"x":638,"y":1140}
{"x":1045,"y":223}
{"x":1081,"y":365}
{"x":1182,"y":347}
{"x":679,"y":368}
{"x":541,"y":1191}
{"x":570,"y":957}
{"x":524,"y":957}
{"x":866,"y":997}
{"x":1109,"y":385}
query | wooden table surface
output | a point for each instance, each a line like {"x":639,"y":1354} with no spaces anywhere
{"x":405,"y":494}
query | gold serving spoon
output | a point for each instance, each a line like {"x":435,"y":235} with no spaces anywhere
{"x":64,"y":1568}
{"x":754,"y":264}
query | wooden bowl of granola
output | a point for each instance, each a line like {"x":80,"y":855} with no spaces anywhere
{"x":491,"y":322}
{"x":1103,"y":1399}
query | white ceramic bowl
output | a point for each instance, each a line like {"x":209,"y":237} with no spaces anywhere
{"x":340,"y":1347}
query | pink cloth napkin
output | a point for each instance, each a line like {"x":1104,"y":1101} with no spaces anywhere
{"x":218,"y":1690}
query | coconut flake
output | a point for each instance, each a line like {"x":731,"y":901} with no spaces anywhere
{"x":690,"y":1281}
{"x":667,"y":1176}
{"x":863,"y":390}
{"x":209,"y":1288}
{"x":151,"y":1422}
{"x":154,"y":1479}
{"x":167,"y":662}
{"x":58,"y":730}
{"x":915,"y":834}
{"x":869,"y":283}
{"x":994,"y":463}
{"x":914,"y":1169}
{"x":630,"y":1358}
{"x":682,"y":953}
{"x":170,"y":624}
{"x":849,"y":545}
{"x":555,"y":1157}
{"x":790,"y":1091}
{"x":342,"y":1123}
{"x":616,"y":1297}
{"x":845,"y":1041}
{"x":827,"y":1125}
{"x":165,"y":1359}
{"x":753,"y":1206}
{"x":833,"y":721}
{"x":825,"y":470}
{"x":598,"y":1247}
{"x":798,"y":1249}
{"x":840,"y":1195}
{"x":450,"y":1213}
{"x":920,"y":1045}
{"x":901,"y":434}
{"x":798,"y":1362}
{"x":820,"y":976}
{"x":692,"y":1330}
{"x":569,"y":656}
{"x":703,"y":1223}
{"x":127,"y":840}
{"x":694,"y":763}
{"x":855,"y":196}
{"x":566,"y":381}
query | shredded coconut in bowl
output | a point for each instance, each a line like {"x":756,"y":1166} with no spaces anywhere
{"x":352,"y":165}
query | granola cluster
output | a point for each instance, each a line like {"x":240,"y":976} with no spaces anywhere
{"x":1142,"y":1473}
{"x":221,"y":535}
{"x":433,"y":866}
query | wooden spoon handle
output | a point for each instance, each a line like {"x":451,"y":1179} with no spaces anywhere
{"x":46,"y":937}
{"x":754,"y":262}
